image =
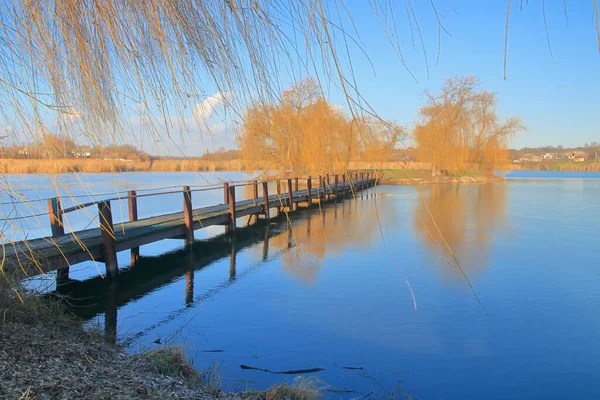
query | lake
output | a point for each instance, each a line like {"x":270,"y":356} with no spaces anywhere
{"x":505,"y":279}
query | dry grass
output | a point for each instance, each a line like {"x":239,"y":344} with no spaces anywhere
{"x":45,"y":353}
{"x":60,"y":166}
{"x":301,"y":389}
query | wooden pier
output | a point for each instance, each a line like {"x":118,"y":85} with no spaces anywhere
{"x":61,"y":250}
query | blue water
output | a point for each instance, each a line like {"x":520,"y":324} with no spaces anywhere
{"x":550,"y":175}
{"x":505,"y":283}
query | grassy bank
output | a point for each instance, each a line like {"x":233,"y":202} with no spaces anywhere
{"x":421,"y":176}
{"x":46,"y":353}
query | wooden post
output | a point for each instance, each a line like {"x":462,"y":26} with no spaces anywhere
{"x":226,"y":192}
{"x":266,"y":198}
{"x":56,"y":221}
{"x":295,"y":184}
{"x":109,"y":246}
{"x":328,"y":188}
{"x":278,"y":182}
{"x":133,"y":216}
{"x":232,"y":210}
{"x":255,"y":186}
{"x":188,"y":216}
{"x":344,"y":184}
{"x":321,"y":187}
{"x":335,"y":185}
{"x":57,"y":228}
{"x":290,"y":196}
{"x":309,"y":190}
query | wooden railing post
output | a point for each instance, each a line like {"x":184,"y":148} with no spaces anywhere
{"x":328,"y":187}
{"x":344,"y":184}
{"x":266,"y":199}
{"x":57,"y":228}
{"x":295,"y":184}
{"x":278,"y":183}
{"x":290,"y":195}
{"x":321,"y":187}
{"x":133,"y":216}
{"x":109,"y":245}
{"x":335,"y":185}
{"x":226,"y":192}
{"x":188,"y":215}
{"x":309,"y":190}
{"x":255,"y":187}
{"x":230,"y":227}
{"x":56,"y":220}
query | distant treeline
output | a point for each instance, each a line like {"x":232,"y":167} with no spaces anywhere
{"x":589,"y":148}
{"x":55,"y":146}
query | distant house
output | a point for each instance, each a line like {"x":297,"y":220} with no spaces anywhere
{"x":551,"y":156}
{"x":83,"y":152}
{"x":577,"y":156}
{"x":531,"y":158}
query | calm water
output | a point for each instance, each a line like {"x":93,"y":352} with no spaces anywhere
{"x":512,"y":313}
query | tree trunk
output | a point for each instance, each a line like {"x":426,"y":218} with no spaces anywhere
{"x":433,"y":169}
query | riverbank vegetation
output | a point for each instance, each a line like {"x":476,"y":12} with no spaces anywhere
{"x":46,"y":353}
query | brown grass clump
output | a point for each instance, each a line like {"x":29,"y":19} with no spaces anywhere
{"x":302,"y":389}
{"x":170,"y":361}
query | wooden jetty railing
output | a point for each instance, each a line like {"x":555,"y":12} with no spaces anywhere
{"x":60,"y":250}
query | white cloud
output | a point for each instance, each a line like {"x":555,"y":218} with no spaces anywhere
{"x":337,"y":108}
{"x":203,"y":111}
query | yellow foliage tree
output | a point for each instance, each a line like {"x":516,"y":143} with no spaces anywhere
{"x":460,"y":126}
{"x":306,"y":134}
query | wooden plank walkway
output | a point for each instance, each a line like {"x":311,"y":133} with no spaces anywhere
{"x":59,"y":251}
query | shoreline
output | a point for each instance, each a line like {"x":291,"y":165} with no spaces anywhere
{"x":48,"y":354}
{"x":439,"y":180}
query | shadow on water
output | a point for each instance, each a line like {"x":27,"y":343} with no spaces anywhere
{"x":317,"y":229}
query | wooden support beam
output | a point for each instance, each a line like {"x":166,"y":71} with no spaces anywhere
{"x":309,"y":187}
{"x":226,"y":193}
{"x":133,"y":216}
{"x":295,"y":184}
{"x":321,"y":187}
{"x":335,"y":186}
{"x":109,"y":246}
{"x":266,"y":199}
{"x":255,"y":188}
{"x":328,"y":187}
{"x":188,"y":216}
{"x":56,"y":220}
{"x":290,"y":195}
{"x":57,"y":228}
{"x":232,"y":209}
{"x":278,"y":184}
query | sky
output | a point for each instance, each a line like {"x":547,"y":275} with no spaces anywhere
{"x":554,"y":88}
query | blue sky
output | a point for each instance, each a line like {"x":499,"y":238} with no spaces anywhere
{"x":557,"y":96}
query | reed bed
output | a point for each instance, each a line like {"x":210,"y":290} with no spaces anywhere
{"x":61,"y":166}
